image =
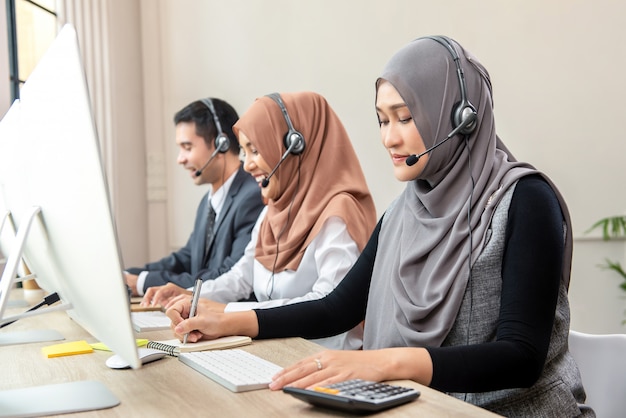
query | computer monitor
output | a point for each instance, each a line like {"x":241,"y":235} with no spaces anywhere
{"x":53,"y":163}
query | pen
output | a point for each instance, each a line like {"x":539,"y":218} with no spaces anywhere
{"x":194,"y":303}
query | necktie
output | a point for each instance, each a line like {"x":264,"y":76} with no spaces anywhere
{"x":210,"y":224}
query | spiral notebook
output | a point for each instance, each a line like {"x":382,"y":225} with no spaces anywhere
{"x":174,"y":346}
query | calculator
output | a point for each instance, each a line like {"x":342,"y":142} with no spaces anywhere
{"x":361,"y":396}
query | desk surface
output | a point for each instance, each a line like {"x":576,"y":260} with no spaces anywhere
{"x":170,"y":388}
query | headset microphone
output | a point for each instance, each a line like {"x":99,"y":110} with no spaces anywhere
{"x":221,"y":141}
{"x":471,"y":117}
{"x":294,"y":145}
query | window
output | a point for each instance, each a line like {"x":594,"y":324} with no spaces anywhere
{"x":32,"y":26}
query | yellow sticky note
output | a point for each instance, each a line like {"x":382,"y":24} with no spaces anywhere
{"x":67,"y":349}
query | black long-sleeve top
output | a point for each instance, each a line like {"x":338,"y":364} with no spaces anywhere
{"x":531,"y":273}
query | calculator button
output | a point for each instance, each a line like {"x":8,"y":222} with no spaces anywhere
{"x":326,"y":390}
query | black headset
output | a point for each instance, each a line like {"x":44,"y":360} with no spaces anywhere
{"x":463,"y":109}
{"x":294,"y":140}
{"x":222,"y":142}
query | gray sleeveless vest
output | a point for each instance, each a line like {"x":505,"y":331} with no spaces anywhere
{"x":559,"y":391}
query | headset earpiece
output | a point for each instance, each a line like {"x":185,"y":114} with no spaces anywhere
{"x":462,"y":112}
{"x":293,"y":140}
{"x":222,"y":142}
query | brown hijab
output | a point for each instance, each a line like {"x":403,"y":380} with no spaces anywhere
{"x":421,"y":268}
{"x":325,"y":180}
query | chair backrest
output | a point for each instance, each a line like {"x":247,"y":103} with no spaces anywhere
{"x":602,"y":363}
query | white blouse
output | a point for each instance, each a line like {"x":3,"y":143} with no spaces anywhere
{"x":326,"y":261}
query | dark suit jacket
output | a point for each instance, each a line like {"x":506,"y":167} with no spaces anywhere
{"x":232,"y":233}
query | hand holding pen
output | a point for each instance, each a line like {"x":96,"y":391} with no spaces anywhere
{"x":194,"y":303}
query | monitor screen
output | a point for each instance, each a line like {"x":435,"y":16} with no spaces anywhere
{"x":53,"y":163}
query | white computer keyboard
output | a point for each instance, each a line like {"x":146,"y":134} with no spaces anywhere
{"x":234,"y":369}
{"x":150,"y":321}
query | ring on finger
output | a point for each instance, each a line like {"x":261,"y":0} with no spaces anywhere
{"x":318,"y":363}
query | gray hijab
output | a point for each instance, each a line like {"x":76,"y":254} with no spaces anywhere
{"x":421,"y":268}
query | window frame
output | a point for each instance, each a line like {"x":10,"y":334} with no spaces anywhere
{"x":14,"y":79}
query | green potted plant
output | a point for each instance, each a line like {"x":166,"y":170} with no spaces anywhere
{"x":612,"y":227}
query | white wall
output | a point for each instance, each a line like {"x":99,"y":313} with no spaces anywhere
{"x":556,"y":72}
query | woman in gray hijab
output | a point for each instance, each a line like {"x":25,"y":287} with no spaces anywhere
{"x":463,"y":284}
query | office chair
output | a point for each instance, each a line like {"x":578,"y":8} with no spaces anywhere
{"x":602,"y":363}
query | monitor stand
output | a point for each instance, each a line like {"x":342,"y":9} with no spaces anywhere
{"x":9,"y":278}
{"x":55,"y":399}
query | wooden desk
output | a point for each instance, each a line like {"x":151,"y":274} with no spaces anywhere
{"x":168,"y":388}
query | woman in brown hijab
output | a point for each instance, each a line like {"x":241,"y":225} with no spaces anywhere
{"x":319,"y":211}
{"x":463,"y":283}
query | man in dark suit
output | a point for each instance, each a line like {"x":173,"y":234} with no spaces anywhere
{"x":210,"y":152}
